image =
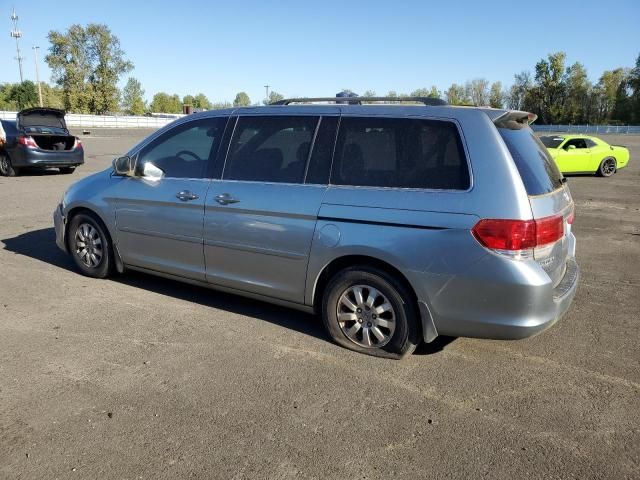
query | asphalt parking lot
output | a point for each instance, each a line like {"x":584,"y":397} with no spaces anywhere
{"x":141,"y":377}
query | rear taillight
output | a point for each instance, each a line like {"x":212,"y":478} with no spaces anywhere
{"x":571,"y":217}
{"x":549,"y":230}
{"x":27,"y":141}
{"x":518,"y":235}
{"x":77,"y":144}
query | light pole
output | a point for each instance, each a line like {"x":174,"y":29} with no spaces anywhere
{"x":35,"y":59}
{"x":16,"y":33}
{"x":266,"y":87}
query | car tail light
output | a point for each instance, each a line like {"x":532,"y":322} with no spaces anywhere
{"x":27,"y":141}
{"x":571,"y":216}
{"x":518,"y":235}
{"x":549,"y":230}
{"x":77,"y":144}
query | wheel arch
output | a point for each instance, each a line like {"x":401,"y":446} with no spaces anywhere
{"x":84,"y":209}
{"x":345,"y":261}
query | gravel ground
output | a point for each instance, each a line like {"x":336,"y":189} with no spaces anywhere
{"x":141,"y":377}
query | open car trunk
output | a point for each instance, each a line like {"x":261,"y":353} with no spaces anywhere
{"x":54,"y":142}
{"x":47,"y":127}
{"x":42,"y":118}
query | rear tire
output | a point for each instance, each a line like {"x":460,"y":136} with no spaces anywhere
{"x":366,"y":310}
{"x":6,"y":169}
{"x":67,"y":170}
{"x":90,"y":246}
{"x":607,"y":167}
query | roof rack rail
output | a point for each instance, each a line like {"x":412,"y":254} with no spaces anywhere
{"x":429,"y":101}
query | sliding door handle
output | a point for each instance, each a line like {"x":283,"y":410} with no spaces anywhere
{"x":225,"y":199}
{"x":186,"y":195}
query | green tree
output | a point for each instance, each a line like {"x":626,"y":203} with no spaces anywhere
{"x":132,"y":97}
{"x":164,"y":103}
{"x":221,"y":105}
{"x":52,"y":96}
{"x":456,"y":95}
{"x":627,"y":103}
{"x":607,"y":92}
{"x":24,"y":95}
{"x":478,"y":90}
{"x":496,"y":97}
{"x":5,"y":93}
{"x":633,"y":81}
{"x":578,"y":93}
{"x":273,"y":97}
{"x":188,"y":100}
{"x":87,"y":62}
{"x":432,"y":92}
{"x":517,"y":96}
{"x":201,"y":101}
{"x":242,"y":100}
{"x":551,"y":87}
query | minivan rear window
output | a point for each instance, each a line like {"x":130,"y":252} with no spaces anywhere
{"x":400,"y":153}
{"x":538,"y":170}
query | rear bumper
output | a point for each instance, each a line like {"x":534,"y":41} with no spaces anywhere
{"x":60,"y":225}
{"x":35,"y":158}
{"x":514,"y":308}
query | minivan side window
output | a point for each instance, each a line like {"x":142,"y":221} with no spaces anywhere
{"x":270,"y":149}
{"x":184,"y":151}
{"x":400,"y":153}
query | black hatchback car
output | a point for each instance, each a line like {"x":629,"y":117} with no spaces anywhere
{"x":39,"y":139}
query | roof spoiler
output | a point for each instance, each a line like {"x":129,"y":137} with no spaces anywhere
{"x":428,"y":101}
{"x":515,"y":119}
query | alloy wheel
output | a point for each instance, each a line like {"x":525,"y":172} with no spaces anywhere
{"x":4,"y":165}
{"x":609,"y":167}
{"x":88,"y":245}
{"x":366,"y":316}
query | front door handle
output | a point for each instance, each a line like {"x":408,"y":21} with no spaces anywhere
{"x":225,"y":199}
{"x":186,"y":195}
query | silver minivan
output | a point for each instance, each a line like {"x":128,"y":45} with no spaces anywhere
{"x":396,"y":223}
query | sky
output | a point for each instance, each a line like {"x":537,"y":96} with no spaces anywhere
{"x":306,"y":48}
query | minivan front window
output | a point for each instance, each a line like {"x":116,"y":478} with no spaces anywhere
{"x":184,"y":151}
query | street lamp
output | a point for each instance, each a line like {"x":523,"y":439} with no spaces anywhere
{"x":35,"y":59}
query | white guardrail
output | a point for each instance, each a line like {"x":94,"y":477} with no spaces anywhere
{"x":109,"y":121}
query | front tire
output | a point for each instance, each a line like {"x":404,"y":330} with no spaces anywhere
{"x":90,"y":246}
{"x":607,"y":167}
{"x":365,"y":309}
{"x":67,"y":170}
{"x":6,"y":169}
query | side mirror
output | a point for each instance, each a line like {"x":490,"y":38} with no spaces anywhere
{"x":151,"y":172}
{"x":571,"y":147}
{"x":123,"y":166}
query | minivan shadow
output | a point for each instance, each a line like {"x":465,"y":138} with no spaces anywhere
{"x":40,"y":245}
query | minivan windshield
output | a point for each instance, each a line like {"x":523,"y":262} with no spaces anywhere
{"x":538,"y":170}
{"x":551,"y":141}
